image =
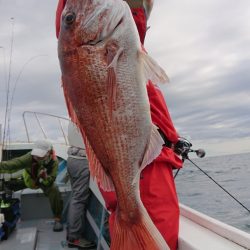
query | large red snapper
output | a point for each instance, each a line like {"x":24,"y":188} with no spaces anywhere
{"x":104,"y":74}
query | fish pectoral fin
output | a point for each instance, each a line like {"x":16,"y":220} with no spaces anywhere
{"x":96,"y":169}
{"x":153,"y":151}
{"x":112,"y":86}
{"x":111,"y":78}
{"x":152,"y":70}
{"x":154,"y":147}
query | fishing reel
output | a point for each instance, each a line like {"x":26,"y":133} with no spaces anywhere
{"x":183,"y":148}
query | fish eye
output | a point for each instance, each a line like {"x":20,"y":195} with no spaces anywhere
{"x":70,"y":18}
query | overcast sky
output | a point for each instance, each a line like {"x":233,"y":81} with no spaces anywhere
{"x":204,"y":46}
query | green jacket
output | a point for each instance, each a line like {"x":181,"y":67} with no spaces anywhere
{"x":31,"y":169}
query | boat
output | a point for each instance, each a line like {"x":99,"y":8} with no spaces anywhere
{"x":32,"y":226}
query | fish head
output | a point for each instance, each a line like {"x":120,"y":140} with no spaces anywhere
{"x":90,"y":22}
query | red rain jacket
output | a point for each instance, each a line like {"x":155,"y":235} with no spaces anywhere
{"x":157,"y":187}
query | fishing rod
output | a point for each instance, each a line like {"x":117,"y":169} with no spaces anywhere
{"x":6,"y":126}
{"x":201,"y":153}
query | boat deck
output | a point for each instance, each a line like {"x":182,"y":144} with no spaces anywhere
{"x":35,"y":235}
{"x":38,"y":235}
{"x":34,"y":231}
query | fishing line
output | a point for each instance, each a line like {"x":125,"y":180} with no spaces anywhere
{"x":176,"y":173}
{"x":4,"y":67}
{"x":15,"y":85}
{"x":185,"y":149}
{"x":219,"y":185}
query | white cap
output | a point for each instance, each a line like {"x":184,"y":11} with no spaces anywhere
{"x":74,"y":136}
{"x":41,"y":148}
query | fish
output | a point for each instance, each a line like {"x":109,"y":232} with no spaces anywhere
{"x":104,"y":75}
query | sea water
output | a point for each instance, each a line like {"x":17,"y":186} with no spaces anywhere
{"x":199,"y":192}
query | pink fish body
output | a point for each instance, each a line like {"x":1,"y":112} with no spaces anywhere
{"x":104,"y":74}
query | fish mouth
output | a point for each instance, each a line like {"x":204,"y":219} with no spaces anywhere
{"x":102,"y":39}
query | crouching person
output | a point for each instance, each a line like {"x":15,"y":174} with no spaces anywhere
{"x":39,"y":171}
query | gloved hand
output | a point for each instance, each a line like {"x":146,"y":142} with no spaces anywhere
{"x":182,"y":147}
{"x":43,"y":174}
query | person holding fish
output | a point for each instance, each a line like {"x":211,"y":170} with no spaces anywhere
{"x":123,"y":122}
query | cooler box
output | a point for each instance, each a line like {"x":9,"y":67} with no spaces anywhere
{"x":1,"y":226}
{"x":11,"y":216}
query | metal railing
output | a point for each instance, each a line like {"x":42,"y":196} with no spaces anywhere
{"x":37,"y":116}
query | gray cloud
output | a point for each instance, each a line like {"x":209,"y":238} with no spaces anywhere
{"x":203,"y":45}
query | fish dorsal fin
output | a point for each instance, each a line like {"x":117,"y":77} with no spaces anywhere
{"x":153,"y":150}
{"x":152,"y":70}
{"x":96,"y":169}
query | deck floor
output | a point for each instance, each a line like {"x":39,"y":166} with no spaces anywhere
{"x":38,"y":233}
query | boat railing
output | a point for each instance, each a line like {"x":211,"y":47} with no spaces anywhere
{"x":96,"y":203}
{"x":37,"y":116}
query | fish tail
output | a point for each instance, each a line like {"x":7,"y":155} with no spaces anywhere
{"x":140,"y":234}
